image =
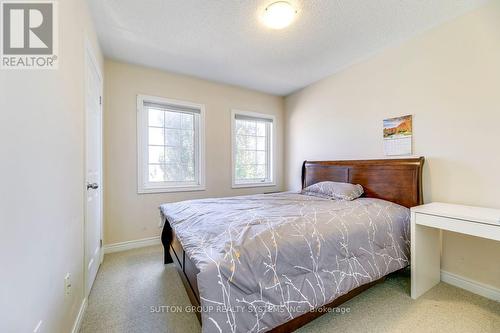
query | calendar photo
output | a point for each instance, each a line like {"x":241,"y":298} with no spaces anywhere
{"x":398,"y":135}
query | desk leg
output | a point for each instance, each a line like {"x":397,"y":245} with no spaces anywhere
{"x":425,"y":258}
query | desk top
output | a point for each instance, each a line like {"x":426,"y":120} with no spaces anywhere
{"x":468,"y":213}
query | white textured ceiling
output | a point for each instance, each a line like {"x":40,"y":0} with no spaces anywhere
{"x":224,"y":41}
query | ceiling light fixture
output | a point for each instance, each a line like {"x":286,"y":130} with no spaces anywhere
{"x":279,"y":15}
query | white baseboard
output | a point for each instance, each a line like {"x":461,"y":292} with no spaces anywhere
{"x":471,"y":285}
{"x":79,"y":317}
{"x":129,"y":245}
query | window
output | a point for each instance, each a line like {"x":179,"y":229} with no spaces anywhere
{"x":253,"y":149}
{"x":170,"y":136}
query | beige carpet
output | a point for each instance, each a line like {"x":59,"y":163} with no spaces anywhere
{"x":130,"y":283}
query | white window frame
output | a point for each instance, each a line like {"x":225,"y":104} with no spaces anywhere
{"x":143,"y":184}
{"x":271,"y":149}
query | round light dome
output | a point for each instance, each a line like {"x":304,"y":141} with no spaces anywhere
{"x":279,"y":15}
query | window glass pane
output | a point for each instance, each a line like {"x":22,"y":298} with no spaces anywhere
{"x":247,"y":171}
{"x":246,"y":127}
{"x":251,"y":142}
{"x":239,"y":172}
{"x":261,"y":157}
{"x":250,"y":171}
{"x":187,"y":139}
{"x":156,"y":154}
{"x":241,"y":142}
{"x":156,"y":173}
{"x":187,"y":121}
{"x":172,"y":119}
{"x":260,"y":171}
{"x":250,"y":128}
{"x":186,"y":156}
{"x":240,"y":127}
{"x":173,"y":173}
{"x":172,"y":137}
{"x":188,"y":172}
{"x":261,"y":143}
{"x":261,"y":129}
{"x":156,"y":117}
{"x":172,"y":155}
{"x":156,"y":136}
{"x":245,"y":157}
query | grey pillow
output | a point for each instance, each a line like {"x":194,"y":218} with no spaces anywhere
{"x":334,"y":190}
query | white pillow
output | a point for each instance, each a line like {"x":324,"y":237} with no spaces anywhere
{"x":334,"y":190}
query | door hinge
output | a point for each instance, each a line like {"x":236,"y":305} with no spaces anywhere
{"x":100,"y":100}
{"x":100,"y":242}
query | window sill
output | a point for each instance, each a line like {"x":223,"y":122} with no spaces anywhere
{"x":171,"y":189}
{"x":253,"y":185}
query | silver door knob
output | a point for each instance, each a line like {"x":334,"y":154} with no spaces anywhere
{"x":93,"y":186}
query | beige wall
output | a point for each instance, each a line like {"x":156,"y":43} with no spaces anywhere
{"x":41,"y":192}
{"x":449,"y":79}
{"x":131,"y":216}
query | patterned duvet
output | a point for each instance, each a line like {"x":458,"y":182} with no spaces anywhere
{"x":265,"y":259}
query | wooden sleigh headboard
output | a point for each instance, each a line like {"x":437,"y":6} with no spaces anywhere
{"x":396,"y":180}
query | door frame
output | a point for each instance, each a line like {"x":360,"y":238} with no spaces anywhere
{"x":89,"y":54}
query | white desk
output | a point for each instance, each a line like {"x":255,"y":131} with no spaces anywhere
{"x":426,"y":223}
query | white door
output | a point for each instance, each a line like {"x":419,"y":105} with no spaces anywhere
{"x":93,"y":170}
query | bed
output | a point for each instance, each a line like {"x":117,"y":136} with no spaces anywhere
{"x":274,"y":262}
